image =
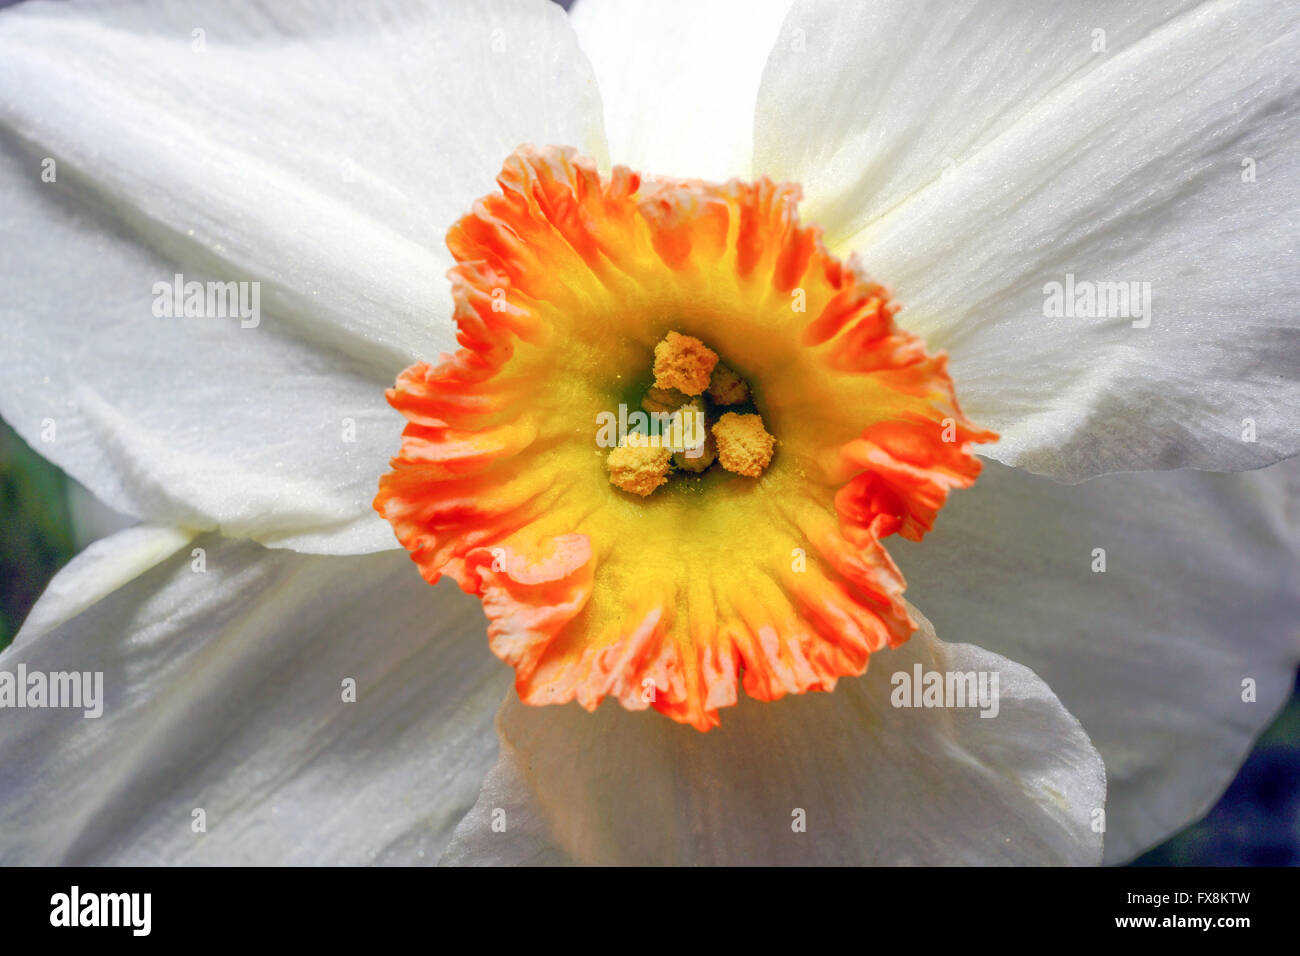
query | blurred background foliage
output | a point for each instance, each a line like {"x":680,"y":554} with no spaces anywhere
{"x":35,"y":528}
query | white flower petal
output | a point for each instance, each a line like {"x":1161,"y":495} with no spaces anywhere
{"x":679,"y":80}
{"x":867,"y":103}
{"x":321,"y":152}
{"x":973,"y":153}
{"x":875,"y":783}
{"x":91,"y":519}
{"x":1201,"y":591}
{"x":223,"y":692}
{"x":99,"y":570}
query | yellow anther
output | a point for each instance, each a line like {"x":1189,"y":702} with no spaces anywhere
{"x":726,"y":387}
{"x":744,"y":446}
{"x":638,"y":469}
{"x":664,"y":399}
{"x":704,"y":457}
{"x":684,"y":363}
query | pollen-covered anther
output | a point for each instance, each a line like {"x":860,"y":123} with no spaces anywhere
{"x":639,"y":469}
{"x":664,"y":399}
{"x":684,"y":363}
{"x":744,"y":445}
{"x":726,"y":387}
{"x":689,"y":432}
{"x":703,"y":459}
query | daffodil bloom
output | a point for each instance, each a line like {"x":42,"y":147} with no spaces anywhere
{"x":818,"y":226}
{"x":570,"y":289}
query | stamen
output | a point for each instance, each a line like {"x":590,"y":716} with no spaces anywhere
{"x":744,"y":446}
{"x":684,"y":363}
{"x":726,"y":387}
{"x":664,"y":399}
{"x":704,"y":456}
{"x":685,"y":440}
{"x":688,"y":433}
{"x":638,"y":469}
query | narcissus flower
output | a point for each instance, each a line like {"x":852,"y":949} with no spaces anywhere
{"x":575,"y":294}
{"x":281,"y":685}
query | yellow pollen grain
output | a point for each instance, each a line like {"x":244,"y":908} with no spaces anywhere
{"x":684,"y":363}
{"x":744,"y":446}
{"x":638,"y":469}
{"x":726,"y":387}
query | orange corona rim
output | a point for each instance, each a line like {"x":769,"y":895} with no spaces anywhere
{"x":612,"y":566}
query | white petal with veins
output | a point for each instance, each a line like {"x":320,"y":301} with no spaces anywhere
{"x":224,"y":692}
{"x":973,"y":153}
{"x":1200,"y":593}
{"x":870,"y":783}
{"x":98,"y":571}
{"x":679,"y":80}
{"x":319,"y":151}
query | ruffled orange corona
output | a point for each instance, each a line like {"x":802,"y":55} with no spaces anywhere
{"x":565,"y":282}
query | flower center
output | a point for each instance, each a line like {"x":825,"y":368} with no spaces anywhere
{"x":781,"y":386}
{"x":682,"y":429}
